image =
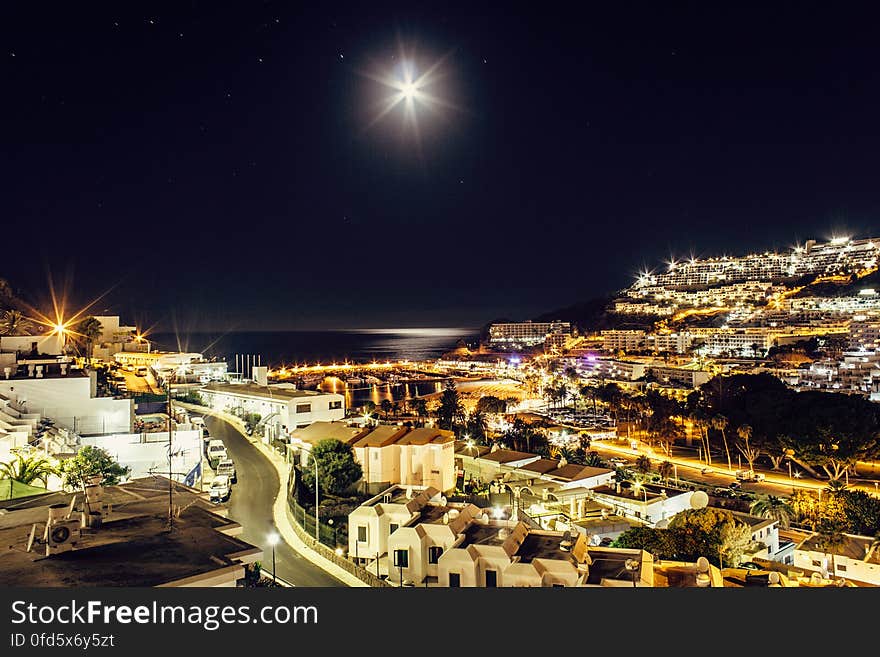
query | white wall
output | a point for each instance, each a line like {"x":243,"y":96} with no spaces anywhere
{"x":46,"y":344}
{"x":146,"y":452}
{"x":68,"y":401}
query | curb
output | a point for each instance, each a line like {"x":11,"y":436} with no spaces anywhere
{"x":279,"y":508}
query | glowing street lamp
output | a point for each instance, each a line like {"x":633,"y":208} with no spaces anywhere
{"x":273,"y":539}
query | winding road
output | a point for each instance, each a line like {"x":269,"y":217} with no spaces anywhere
{"x":251,"y":505}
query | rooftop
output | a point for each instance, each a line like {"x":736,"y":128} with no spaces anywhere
{"x":318,"y":431}
{"x":132,"y":547}
{"x":857,"y":548}
{"x":507,"y":456}
{"x":274,"y":393}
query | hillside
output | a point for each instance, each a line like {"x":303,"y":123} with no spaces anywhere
{"x":593,"y":315}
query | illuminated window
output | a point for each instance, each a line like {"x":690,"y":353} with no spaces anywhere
{"x":335,"y":404}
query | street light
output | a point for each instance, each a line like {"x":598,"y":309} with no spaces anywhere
{"x":273,"y":539}
{"x":315,"y":461}
{"x":330,"y":522}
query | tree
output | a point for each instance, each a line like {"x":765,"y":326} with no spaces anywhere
{"x":719,"y":423}
{"x":420,"y":406}
{"x":28,"y":469}
{"x":834,"y":431}
{"x":830,"y":538}
{"x":594,"y":460}
{"x":370,"y":407}
{"x":386,"y":405}
{"x":862,"y":512}
{"x":774,"y":508}
{"x":85,"y":334}
{"x":643,"y":464}
{"x":665,"y":470}
{"x":697,"y":532}
{"x":477,"y":427}
{"x":659,"y":542}
{"x":748,"y":450}
{"x":523,"y":437}
{"x":491,"y":404}
{"x":450,"y":413}
{"x":735,"y":540}
{"x":91,"y":462}
{"x":13,"y":322}
{"x":337,"y":467}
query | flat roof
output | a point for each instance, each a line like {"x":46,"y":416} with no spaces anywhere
{"x":132,"y":547}
{"x":272,"y":393}
{"x":507,"y":456}
{"x":543,"y":546}
{"x":321,"y":430}
{"x":573,"y":472}
{"x":853,"y":547}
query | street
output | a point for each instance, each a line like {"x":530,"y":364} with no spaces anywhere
{"x":251,"y":505}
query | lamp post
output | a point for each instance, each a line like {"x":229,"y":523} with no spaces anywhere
{"x":317,"y":526}
{"x":330,"y":522}
{"x":273,"y":541}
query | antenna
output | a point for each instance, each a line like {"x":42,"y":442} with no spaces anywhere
{"x":32,"y":536}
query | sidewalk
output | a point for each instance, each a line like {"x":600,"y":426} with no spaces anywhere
{"x":279,"y":508}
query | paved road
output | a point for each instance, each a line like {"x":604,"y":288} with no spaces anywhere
{"x":251,"y":506}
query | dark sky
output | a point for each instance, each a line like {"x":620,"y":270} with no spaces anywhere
{"x":214,"y":164}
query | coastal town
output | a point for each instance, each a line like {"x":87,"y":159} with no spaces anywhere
{"x":714,"y":424}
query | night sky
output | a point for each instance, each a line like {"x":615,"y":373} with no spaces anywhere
{"x":216,"y":166}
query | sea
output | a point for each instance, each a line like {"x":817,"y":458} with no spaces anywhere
{"x":296,"y":348}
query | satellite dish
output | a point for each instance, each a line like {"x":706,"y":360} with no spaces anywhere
{"x":702,"y":565}
{"x":663,"y":524}
{"x":443,"y":500}
{"x":773,"y":578}
{"x":699,"y":499}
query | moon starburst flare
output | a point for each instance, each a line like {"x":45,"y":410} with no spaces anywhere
{"x":410,"y":87}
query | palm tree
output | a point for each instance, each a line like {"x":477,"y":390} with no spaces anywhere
{"x":27,"y":469}
{"x":719,"y":423}
{"x":387,"y":406}
{"x":665,"y":470}
{"x":830,"y":538}
{"x":643,"y":464}
{"x":87,"y":332}
{"x":13,"y":322}
{"x":774,"y":508}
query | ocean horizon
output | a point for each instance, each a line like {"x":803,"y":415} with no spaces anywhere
{"x":277,"y":348}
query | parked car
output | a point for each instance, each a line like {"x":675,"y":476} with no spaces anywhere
{"x":227,"y":467}
{"x":216,"y":450}
{"x":220,"y":489}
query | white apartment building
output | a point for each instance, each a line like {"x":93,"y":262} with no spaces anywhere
{"x":681,"y":377}
{"x":864,"y":334}
{"x":858,"y":371}
{"x":765,"y":534}
{"x":648,"y":503}
{"x":47,"y":386}
{"x":840,"y":256}
{"x":642,"y":308}
{"x":282,"y":407}
{"x":857,"y":559}
{"x":626,"y":340}
{"x":370,"y":525}
{"x":399,"y":455}
{"x":526,"y":333}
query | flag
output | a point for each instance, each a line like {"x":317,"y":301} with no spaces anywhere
{"x":195,"y":473}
